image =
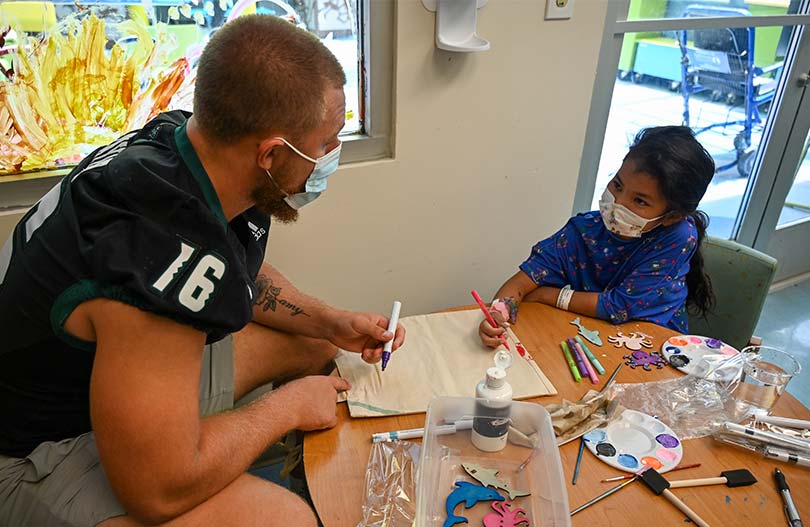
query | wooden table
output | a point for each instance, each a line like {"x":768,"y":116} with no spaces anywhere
{"x":335,"y":460}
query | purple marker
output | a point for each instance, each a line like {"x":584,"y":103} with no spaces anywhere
{"x":392,"y":327}
{"x":578,"y":358}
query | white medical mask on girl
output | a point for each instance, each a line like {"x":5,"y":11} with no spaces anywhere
{"x":619,"y":219}
{"x":325,"y":166}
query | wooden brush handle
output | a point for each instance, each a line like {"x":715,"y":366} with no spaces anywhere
{"x":684,"y":508}
{"x":697,"y":482}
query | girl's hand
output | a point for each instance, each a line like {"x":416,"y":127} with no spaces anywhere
{"x":489,"y":335}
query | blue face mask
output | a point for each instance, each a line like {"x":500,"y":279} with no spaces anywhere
{"x":325,"y":166}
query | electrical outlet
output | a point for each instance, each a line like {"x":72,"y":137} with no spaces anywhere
{"x":559,"y":9}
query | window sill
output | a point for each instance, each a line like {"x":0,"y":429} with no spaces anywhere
{"x":20,"y":191}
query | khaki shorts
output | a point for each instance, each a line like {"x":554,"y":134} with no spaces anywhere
{"x":63,"y":484}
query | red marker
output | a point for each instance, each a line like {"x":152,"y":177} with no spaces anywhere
{"x":488,"y":315}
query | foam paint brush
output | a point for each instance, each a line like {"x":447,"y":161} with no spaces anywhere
{"x":660,"y":486}
{"x":729,"y":478}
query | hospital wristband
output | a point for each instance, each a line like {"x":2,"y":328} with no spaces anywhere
{"x":564,"y":297}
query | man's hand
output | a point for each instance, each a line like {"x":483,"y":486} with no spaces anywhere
{"x":364,"y":333}
{"x":314,"y":399}
{"x":489,"y":335}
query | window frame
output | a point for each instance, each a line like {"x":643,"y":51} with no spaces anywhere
{"x":374,"y":141}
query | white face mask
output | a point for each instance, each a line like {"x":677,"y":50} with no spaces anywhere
{"x":619,"y":219}
{"x":316,"y":182}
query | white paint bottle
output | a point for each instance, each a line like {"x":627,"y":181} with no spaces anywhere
{"x":492,"y":410}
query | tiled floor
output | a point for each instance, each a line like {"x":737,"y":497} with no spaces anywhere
{"x":785,"y":324}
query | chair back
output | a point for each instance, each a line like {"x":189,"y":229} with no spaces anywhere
{"x":741,"y":277}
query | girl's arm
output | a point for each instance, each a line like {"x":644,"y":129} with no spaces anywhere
{"x":520,"y":288}
{"x":513,"y":290}
{"x":582,"y":302}
{"x":517,"y":287}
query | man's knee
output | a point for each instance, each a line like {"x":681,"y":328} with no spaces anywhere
{"x":247,"y":501}
{"x":321,"y":354}
{"x":279,"y":506}
{"x":299,"y":513}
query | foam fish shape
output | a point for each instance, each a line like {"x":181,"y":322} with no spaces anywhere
{"x":591,"y":334}
{"x":469,"y":494}
{"x":488,"y":477}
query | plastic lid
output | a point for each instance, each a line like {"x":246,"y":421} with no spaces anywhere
{"x":503,"y":359}
{"x":496,"y":377}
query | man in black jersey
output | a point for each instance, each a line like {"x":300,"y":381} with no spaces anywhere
{"x":136,"y":307}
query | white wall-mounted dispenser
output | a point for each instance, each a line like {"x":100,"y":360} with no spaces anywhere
{"x":456,"y":22}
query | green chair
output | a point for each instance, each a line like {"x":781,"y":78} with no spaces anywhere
{"x":741,"y":277}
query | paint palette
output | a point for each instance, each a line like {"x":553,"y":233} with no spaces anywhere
{"x":684,"y":352}
{"x":635,"y":441}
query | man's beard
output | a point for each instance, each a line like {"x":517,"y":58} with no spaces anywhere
{"x":270,"y":201}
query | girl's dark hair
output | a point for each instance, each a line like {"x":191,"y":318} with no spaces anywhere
{"x":683,"y":170}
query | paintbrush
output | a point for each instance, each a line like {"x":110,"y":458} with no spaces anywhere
{"x":611,"y":379}
{"x":579,"y":460}
{"x":605,"y":494}
{"x":660,"y":486}
{"x":628,"y":476}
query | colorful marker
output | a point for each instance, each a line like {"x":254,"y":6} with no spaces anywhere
{"x":413,"y":433}
{"x":577,"y":358}
{"x":590,"y":355}
{"x":587,"y":363}
{"x":488,"y":316}
{"x":570,"y":359}
{"x":392,"y":327}
{"x":786,"y":456}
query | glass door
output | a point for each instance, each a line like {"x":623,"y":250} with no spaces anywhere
{"x":735,"y":75}
{"x":790,"y":243}
{"x":782,"y":228}
{"x":776,"y":216}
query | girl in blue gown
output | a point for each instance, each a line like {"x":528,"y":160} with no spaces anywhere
{"x":638,"y":257}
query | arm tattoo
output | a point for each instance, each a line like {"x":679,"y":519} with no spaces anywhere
{"x":269,"y":299}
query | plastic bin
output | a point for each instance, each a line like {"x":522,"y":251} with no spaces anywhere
{"x":442,"y":456}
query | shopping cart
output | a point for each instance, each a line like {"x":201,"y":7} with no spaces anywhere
{"x":721,"y":61}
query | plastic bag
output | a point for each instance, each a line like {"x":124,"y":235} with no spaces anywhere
{"x":391,"y":485}
{"x":695,"y":405}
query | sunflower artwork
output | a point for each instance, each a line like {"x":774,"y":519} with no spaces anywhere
{"x":67,"y":92}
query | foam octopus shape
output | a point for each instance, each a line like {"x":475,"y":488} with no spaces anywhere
{"x":645,"y":360}
{"x":634,"y":341}
{"x":504,"y":517}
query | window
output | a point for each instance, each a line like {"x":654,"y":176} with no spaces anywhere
{"x":708,"y":65}
{"x":177,"y":29}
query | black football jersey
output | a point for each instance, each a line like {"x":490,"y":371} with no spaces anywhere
{"x":137,"y":221}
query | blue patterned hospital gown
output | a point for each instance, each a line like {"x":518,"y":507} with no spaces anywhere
{"x":639,"y":279}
